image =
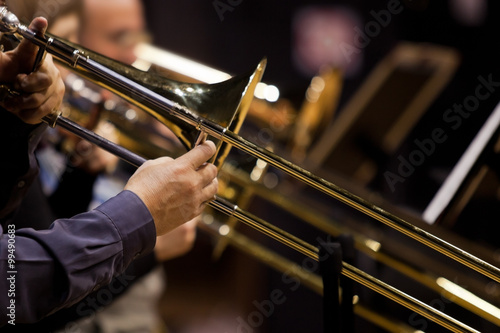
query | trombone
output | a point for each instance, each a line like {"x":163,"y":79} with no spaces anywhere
{"x":195,"y":111}
{"x":242,"y":186}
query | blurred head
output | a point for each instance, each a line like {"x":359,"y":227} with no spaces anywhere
{"x":113,"y":28}
{"x":63,"y":16}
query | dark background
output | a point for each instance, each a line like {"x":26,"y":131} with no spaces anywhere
{"x":253,"y":29}
{"x":236,"y":39}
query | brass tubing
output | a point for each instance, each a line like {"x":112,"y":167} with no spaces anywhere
{"x":405,"y":300}
{"x":376,"y":285}
{"x":265,"y":227}
{"x":268,"y":257}
{"x":329,"y":226}
{"x":303,"y":247}
{"x":386,"y":290}
{"x":359,"y":204}
{"x":155,"y":102}
{"x":120,"y":84}
{"x":288,"y":267}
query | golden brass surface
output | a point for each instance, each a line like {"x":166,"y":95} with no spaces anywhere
{"x":191,"y":110}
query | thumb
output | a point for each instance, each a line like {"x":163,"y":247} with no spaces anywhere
{"x":26,"y":51}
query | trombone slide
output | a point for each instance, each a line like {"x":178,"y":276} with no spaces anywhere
{"x":222,"y":205}
{"x":189,"y":110}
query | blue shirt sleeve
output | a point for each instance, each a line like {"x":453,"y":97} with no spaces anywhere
{"x":58,"y":267}
{"x":44,"y":271}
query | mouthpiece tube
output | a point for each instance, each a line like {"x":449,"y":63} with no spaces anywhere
{"x":10,"y":24}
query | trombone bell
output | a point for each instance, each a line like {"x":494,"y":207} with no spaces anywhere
{"x":219,"y":110}
{"x":225,"y":103}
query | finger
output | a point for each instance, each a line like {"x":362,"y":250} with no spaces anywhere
{"x":34,"y":115}
{"x":208,"y":172}
{"x":33,"y":101}
{"x":34,"y":82}
{"x":159,"y":160}
{"x":27,"y":50}
{"x":214,"y":185}
{"x":193,"y":222}
{"x":198,"y":155}
{"x":209,"y":192}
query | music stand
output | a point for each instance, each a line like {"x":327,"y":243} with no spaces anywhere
{"x":467,"y":175}
{"x":378,"y":117}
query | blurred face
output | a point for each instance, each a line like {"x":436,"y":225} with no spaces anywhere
{"x":113,"y":28}
{"x":66,"y":27}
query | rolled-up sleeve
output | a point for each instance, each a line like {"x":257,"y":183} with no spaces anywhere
{"x":58,"y":267}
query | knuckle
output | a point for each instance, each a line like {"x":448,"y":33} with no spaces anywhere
{"x":213,"y":170}
{"x":45,"y":81}
{"x":34,"y":100}
{"x":198,"y":210}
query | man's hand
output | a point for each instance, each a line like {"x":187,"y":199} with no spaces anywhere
{"x":88,"y":157}
{"x":176,"y":191}
{"x":40,"y":92}
{"x":177,"y":242}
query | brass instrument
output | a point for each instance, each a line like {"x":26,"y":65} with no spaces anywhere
{"x":242,"y":186}
{"x":192,"y":111}
{"x":130,"y":127}
{"x":286,"y":266}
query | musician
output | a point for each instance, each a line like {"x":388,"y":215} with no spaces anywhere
{"x":74,"y":189}
{"x":57,"y":267}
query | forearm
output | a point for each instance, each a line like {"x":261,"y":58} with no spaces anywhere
{"x":60,"y":266}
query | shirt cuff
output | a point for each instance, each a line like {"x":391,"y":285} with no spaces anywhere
{"x":133,"y":222}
